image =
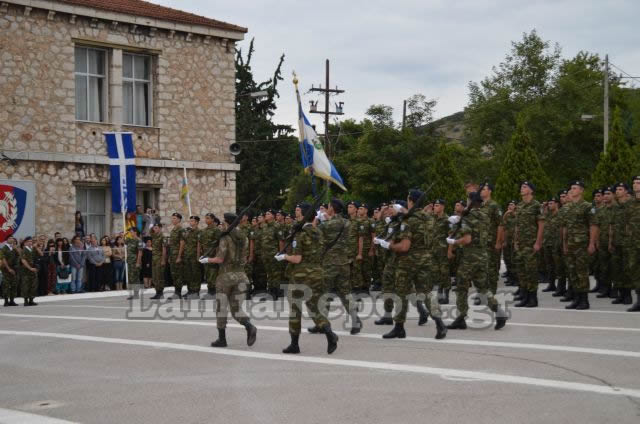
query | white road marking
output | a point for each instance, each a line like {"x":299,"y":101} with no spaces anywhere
{"x":466,"y":342}
{"x":448,"y":373}
{"x":8,"y":416}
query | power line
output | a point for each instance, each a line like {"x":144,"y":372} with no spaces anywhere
{"x":624,"y":72}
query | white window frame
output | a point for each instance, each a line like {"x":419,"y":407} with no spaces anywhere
{"x":86,"y":214}
{"x":133,"y":80}
{"x":87,"y":75}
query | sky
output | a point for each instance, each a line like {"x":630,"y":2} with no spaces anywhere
{"x":382,"y":52}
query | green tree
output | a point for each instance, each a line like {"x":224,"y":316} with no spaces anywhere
{"x":381,"y":116}
{"x":420,"y":111}
{"x":521,"y":164}
{"x":443,"y":174}
{"x":270,"y":153}
{"x":618,"y":162}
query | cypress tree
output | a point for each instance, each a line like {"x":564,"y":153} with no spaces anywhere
{"x":617,"y":163}
{"x":443,"y":174}
{"x":521,"y":163}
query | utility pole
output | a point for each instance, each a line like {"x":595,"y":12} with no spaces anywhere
{"x":404,"y":113}
{"x":327,"y":112}
{"x":606,"y":101}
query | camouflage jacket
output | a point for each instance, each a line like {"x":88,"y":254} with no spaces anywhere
{"x":364,"y":231}
{"x":478,"y":224}
{"x":338,"y":254}
{"x":509,"y":224}
{"x":12,"y":257}
{"x":132,"y":245}
{"x":619,"y":223}
{"x":233,"y":249}
{"x":210,"y":238}
{"x":157,"y":245}
{"x":632,"y":221}
{"x":176,"y":235}
{"x":493,"y":211}
{"x":191,"y":240}
{"x":551,"y":232}
{"x":577,"y":220}
{"x":353,"y":237}
{"x":526,"y":225}
{"x":439,"y":233}
{"x":604,"y":219}
{"x":308,"y":244}
{"x":30,"y":257}
{"x":269,"y":240}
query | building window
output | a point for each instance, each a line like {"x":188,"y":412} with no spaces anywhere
{"x":90,"y":72}
{"x":91,"y":202}
{"x":136,"y":89}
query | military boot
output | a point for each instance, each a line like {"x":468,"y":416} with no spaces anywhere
{"x":222,"y":338}
{"x":445,"y":297}
{"x":356,"y":324}
{"x":458,"y":324}
{"x":6,"y":301}
{"x":501,"y":318}
{"x":314,"y":330}
{"x":157,"y":296}
{"x":384,"y":320}
{"x":524,"y":299}
{"x":252,"y":332}
{"x":604,"y":291}
{"x":396,"y":332}
{"x":293,"y":347}
{"x":517,"y":295}
{"x":12,"y":302}
{"x":583,"y":301}
{"x":619,"y":298}
{"x":627,"y":299}
{"x":561,"y":289}
{"x":575,"y":301}
{"x":551,"y":287}
{"x":422,"y":310}
{"x":441,"y":332}
{"x":32,"y":303}
{"x":532,"y":301}
{"x":636,"y":306}
{"x":597,"y":287}
{"x":332,"y":339}
{"x":568,"y":297}
{"x":613,"y":293}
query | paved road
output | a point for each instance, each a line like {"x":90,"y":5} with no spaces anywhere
{"x":87,"y":358}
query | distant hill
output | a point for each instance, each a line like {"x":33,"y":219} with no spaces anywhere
{"x":451,"y":127}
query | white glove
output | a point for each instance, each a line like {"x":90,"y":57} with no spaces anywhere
{"x":280,"y":257}
{"x":451,"y":241}
{"x":397,"y":207}
{"x":384,"y":244}
{"x":376,"y":240}
{"x":203,"y":260}
{"x":321,"y":216}
{"x":454,"y":219}
{"x":387,"y":220}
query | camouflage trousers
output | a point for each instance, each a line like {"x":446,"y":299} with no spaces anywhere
{"x":549,"y":263}
{"x":473,"y":270}
{"x":356,"y":274}
{"x":493,"y":268}
{"x":367,"y":269}
{"x":9,"y":285}
{"x":307,"y":284}
{"x":29,"y":284}
{"x":604,"y":266}
{"x":133,"y":276}
{"x":388,"y":279}
{"x":274,"y":272}
{"x":192,"y":274}
{"x":632,"y":266}
{"x":509,"y":257}
{"x":422,"y":280}
{"x":211,"y":275}
{"x":527,"y":266}
{"x":157,"y":274}
{"x":259,"y":274}
{"x":337,"y":280}
{"x":621,"y":280}
{"x":376,"y":268}
{"x":231,"y":289}
{"x":559,"y":263}
{"x":177,"y":273}
{"x":439,"y":268}
{"x":578,"y":260}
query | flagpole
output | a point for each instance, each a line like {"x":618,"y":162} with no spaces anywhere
{"x":186,"y":182}
{"x":124,"y":233}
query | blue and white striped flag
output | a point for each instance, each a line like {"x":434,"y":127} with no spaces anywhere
{"x":313,"y":156}
{"x":122,"y":163}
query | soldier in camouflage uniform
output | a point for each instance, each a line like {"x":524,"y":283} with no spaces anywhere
{"x":509,"y":225}
{"x":594,"y":266}
{"x":10,"y":265}
{"x":456,"y":256}
{"x":529,"y":227}
{"x":474,"y":235}
{"x":438,"y":248}
{"x":559,"y":259}
{"x":191,"y":266}
{"x":620,"y":247}
{"x":133,"y":246}
{"x":496,"y":230}
{"x":232,"y":283}
{"x":335,"y":262}
{"x":549,"y":243}
{"x":389,"y":271}
{"x":307,"y":275}
{"x":270,"y":246}
{"x":158,"y":259}
{"x":603,"y":220}
{"x":209,"y":239}
{"x":365,"y":248}
{"x":633,"y":233}
{"x":354,"y":246}
{"x":413,"y":262}
{"x":580,"y":234}
{"x":176,"y":251}
{"x":377,"y":228}
{"x":28,"y":272}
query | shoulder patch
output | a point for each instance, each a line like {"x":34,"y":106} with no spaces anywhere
{"x":402,"y":227}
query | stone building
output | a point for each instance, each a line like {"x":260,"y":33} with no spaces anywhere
{"x":73,"y":69}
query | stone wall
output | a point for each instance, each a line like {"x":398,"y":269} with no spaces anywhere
{"x":56,"y":190}
{"x":194,"y":88}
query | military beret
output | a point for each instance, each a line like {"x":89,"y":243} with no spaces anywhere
{"x":487,"y":184}
{"x":363,"y":205}
{"x":576,"y":183}
{"x":196,"y":217}
{"x":636,"y":178}
{"x":415,"y":194}
{"x":439,"y":202}
{"x":177,"y":215}
{"x":597,"y":191}
{"x":210,"y":215}
{"x":354,"y":203}
{"x":157,"y":224}
{"x":383,"y":205}
{"x":623,"y":185}
{"x":324,"y":205}
{"x":474,"y":197}
{"x":229,"y":217}
{"x":512,"y":202}
{"x":553,"y":199}
{"x":462,"y":202}
{"x":402,"y":203}
{"x":27,"y":238}
{"x":304,"y":206}
{"x":528,"y":184}
{"x":271,"y":211}
{"x":608,"y":189}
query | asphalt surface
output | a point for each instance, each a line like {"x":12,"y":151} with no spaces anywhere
{"x":97,"y":358}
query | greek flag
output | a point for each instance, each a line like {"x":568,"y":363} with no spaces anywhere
{"x":313,"y":156}
{"x":123,"y":171}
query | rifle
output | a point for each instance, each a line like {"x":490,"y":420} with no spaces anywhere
{"x":234,"y":224}
{"x":298,"y":226}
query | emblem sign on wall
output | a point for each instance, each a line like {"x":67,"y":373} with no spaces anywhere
{"x":17,"y":209}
